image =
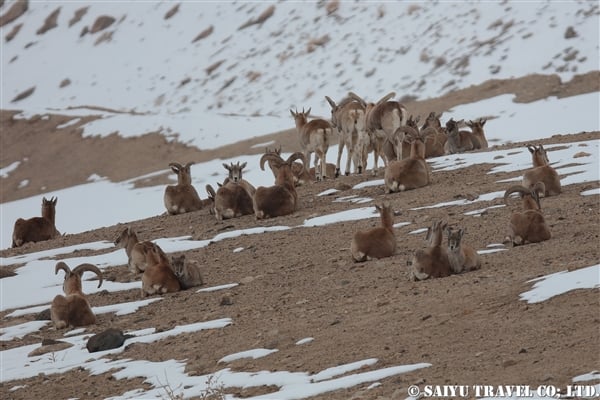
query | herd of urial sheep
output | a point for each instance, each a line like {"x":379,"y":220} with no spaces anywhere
{"x":382,"y":128}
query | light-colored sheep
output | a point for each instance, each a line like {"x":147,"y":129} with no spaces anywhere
{"x":136,"y":257}
{"x":382,"y":119}
{"x":314,"y":138}
{"x":37,"y":229}
{"x":410,"y":173}
{"x":528,"y":226}
{"x":281,"y":198}
{"x":378,"y":242}
{"x":73,"y":309}
{"x":542,"y":172}
{"x":433,"y":261}
{"x":182,"y":198}
{"x":187,"y":272}
{"x":458,"y":141}
{"x":461,"y":256}
{"x":158,"y":277}
{"x":349,"y":119}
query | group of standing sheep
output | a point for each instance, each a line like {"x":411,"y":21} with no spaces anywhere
{"x":382,"y":128}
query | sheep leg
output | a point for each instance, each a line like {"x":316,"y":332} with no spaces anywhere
{"x":341,"y":145}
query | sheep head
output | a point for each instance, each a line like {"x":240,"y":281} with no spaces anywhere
{"x":184,"y":176}
{"x":235,"y":171}
{"x":72,"y":282}
{"x":531,"y":198}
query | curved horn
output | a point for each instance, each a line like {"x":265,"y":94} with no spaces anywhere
{"x":175,"y":166}
{"x":61,"y":265}
{"x":357,"y":98}
{"x":269,"y":156}
{"x":81,"y":268}
{"x":385,"y":98}
{"x":516,"y":188}
{"x":296,"y":156}
{"x":409,"y":130}
{"x":531,"y":148}
{"x":189,"y":164}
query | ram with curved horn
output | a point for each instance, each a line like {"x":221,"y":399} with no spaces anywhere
{"x":528,"y":226}
{"x":281,"y":198}
{"x":73,"y":309}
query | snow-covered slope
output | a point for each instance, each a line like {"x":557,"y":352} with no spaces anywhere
{"x":201,"y":75}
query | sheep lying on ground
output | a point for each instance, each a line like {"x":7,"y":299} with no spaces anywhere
{"x":187,"y":272}
{"x":461,"y":256}
{"x":378,"y":242}
{"x":158,"y":277}
{"x":528,"y":226}
{"x":182,"y":198}
{"x":542,"y":172}
{"x":409,"y":173}
{"x":234,"y":198}
{"x":281,"y":198}
{"x":73,"y":309}
{"x":136,"y":257}
{"x":433,"y":261}
{"x":37,"y":229}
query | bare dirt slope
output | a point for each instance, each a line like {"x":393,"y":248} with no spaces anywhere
{"x":472,"y":328}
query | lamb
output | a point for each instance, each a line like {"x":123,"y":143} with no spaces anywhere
{"x":73,"y":309}
{"x":349,"y":119}
{"x":461,"y":256}
{"x":234,"y":198}
{"x":458,"y":141}
{"x":37,"y":229}
{"x":314,"y":138}
{"x":378,"y":242}
{"x":528,"y":226}
{"x":478,"y":133}
{"x":281,"y":198}
{"x":182,"y":198}
{"x":136,"y":257}
{"x":410,"y":173}
{"x":542,"y":172}
{"x":187,"y":273}
{"x":158,"y":277}
{"x":433,"y":261}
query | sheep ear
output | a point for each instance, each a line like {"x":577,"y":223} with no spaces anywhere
{"x":227,"y":167}
{"x":54,"y":200}
{"x":243,"y":165}
{"x":293,"y":114}
{"x":482,"y":121}
{"x":461,"y":232}
{"x":308,"y":111}
{"x":531,"y":148}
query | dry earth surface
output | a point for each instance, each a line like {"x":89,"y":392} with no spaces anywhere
{"x":472,"y":328}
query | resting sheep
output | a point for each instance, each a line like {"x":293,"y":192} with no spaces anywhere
{"x":37,"y":229}
{"x":410,"y":173}
{"x":73,"y":309}
{"x":136,"y":257}
{"x":433,"y":261}
{"x":528,"y":226}
{"x":187,"y":272}
{"x":281,"y":198}
{"x":158,"y":277}
{"x":542,"y":172}
{"x":378,"y":242}
{"x":234,"y":198}
{"x":461,"y":256}
{"x":182,"y":198}
{"x":458,"y":141}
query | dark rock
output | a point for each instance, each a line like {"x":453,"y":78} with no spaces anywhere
{"x":109,"y":339}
